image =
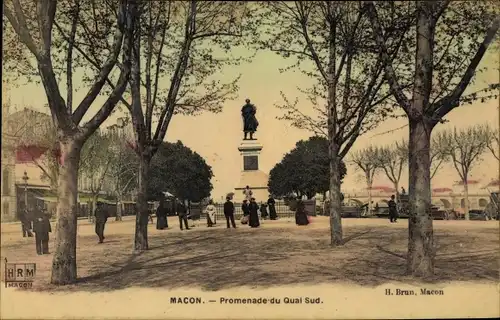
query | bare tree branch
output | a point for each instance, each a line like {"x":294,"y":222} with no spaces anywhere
{"x":447,"y":103}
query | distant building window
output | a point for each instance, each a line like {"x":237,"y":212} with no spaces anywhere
{"x":6,"y":182}
{"x":483,"y":203}
{"x":5,"y":209}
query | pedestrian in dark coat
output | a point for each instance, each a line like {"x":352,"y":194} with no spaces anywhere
{"x":101,"y":216}
{"x":301,"y":214}
{"x":183,"y":215}
{"x":25,"y":219}
{"x":161,"y":216}
{"x":263,"y":210}
{"x":41,"y":227}
{"x":393,"y":211}
{"x":253,"y":220}
{"x":229,"y":212}
{"x":272,"y":208}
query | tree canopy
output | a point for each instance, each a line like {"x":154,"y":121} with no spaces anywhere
{"x":180,"y":171}
{"x":304,"y":170}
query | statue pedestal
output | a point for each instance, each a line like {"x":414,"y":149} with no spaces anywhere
{"x":251,"y":175}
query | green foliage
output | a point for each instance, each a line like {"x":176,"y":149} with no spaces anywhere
{"x":460,"y":28}
{"x":438,"y":153}
{"x":122,"y":173}
{"x":303,"y":171}
{"x":184,"y":49}
{"x":180,"y":171}
{"x":392,"y":159}
{"x":465,"y":147}
{"x":330,"y":43}
{"x":97,"y":158}
{"x":368,"y":161}
{"x":492,"y":140}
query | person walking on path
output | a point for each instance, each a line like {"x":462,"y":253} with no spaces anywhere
{"x":229,"y":212}
{"x":271,"y":203}
{"x":301,"y":218}
{"x":41,"y":228}
{"x":253,"y":207}
{"x":182,"y":213}
{"x":161,"y":216}
{"x":210,"y":211}
{"x":263,"y":210}
{"x":101,"y":216}
{"x":24,"y":216}
{"x":393,"y":211}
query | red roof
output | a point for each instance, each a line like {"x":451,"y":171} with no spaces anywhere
{"x":442,"y":190}
{"x":382,"y":188}
{"x":461,"y":183}
{"x":29,"y":153}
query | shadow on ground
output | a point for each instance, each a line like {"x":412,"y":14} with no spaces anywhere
{"x":220,"y":259}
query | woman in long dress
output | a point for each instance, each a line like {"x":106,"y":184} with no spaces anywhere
{"x":246,"y":212}
{"x":161,"y":216}
{"x":254,"y":214}
{"x":210,"y":211}
{"x":272,"y":208}
{"x":301,"y":214}
{"x":263,"y":211}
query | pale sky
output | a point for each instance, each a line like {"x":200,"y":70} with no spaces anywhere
{"x":216,"y":136}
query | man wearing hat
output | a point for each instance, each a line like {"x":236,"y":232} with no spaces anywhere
{"x":101,"y":216}
{"x":229,"y":212}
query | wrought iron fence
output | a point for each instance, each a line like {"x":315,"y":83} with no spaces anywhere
{"x":282,"y":210}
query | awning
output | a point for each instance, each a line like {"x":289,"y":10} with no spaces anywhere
{"x":32,"y":187}
{"x":80,"y":200}
{"x":47,"y":199}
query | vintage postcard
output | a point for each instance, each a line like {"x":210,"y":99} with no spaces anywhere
{"x":250,"y":160}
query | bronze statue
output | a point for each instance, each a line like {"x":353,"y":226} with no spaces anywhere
{"x":250,"y":122}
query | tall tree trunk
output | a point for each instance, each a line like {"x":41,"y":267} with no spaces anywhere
{"x":333,"y":144}
{"x":335,"y":199}
{"x":119,"y":208}
{"x":466,"y":200}
{"x":64,"y":260}
{"x":420,"y":260}
{"x":369,"y":185}
{"x":396,"y":186}
{"x":142,"y":214}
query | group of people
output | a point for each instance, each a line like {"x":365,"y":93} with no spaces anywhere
{"x":37,"y":222}
{"x":163,"y":211}
{"x":250,"y":210}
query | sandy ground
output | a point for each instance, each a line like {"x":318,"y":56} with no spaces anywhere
{"x":278,"y":260}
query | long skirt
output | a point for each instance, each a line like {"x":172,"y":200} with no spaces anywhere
{"x":263,"y":214}
{"x":301,"y":219}
{"x":254,"y":220}
{"x":161,"y":222}
{"x":210,"y":219}
{"x":272,"y":213}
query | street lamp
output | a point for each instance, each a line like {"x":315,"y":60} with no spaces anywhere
{"x":25,"y":179}
{"x":120,"y":124}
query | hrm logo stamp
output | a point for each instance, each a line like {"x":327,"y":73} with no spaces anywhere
{"x":19,"y":275}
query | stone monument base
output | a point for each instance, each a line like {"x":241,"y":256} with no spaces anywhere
{"x":257,"y":181}
{"x":251,"y":175}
